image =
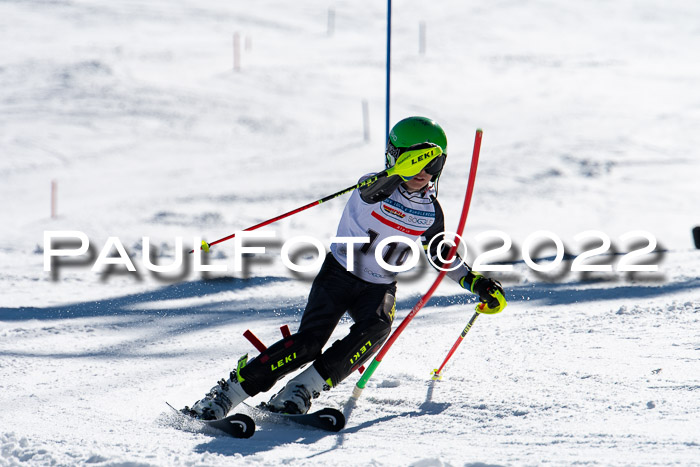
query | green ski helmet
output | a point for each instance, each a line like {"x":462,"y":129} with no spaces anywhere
{"x":416,"y":130}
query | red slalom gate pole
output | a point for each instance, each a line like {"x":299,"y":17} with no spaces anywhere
{"x":357,"y":391}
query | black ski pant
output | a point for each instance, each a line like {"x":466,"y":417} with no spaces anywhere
{"x":334,"y":292}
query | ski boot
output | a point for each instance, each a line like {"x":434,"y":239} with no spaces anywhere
{"x":295,"y":397}
{"x":217,"y":403}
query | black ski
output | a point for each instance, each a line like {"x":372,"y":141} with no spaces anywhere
{"x":325,"y":419}
{"x":237,"y":425}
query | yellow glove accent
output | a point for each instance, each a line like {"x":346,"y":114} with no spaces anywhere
{"x":484,"y":308}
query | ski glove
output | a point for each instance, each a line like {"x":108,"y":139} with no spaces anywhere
{"x":488,"y":290}
{"x":380,"y":190}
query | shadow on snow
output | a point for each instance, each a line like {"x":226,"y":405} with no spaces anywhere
{"x":136,"y":304}
{"x":546,"y":294}
{"x":138,"y":308}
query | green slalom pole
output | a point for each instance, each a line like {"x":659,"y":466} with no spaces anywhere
{"x":369,"y":371}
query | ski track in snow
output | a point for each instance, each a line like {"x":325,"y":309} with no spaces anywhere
{"x":132,"y":107}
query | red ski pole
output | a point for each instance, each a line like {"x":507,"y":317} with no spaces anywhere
{"x":437,"y":375}
{"x":409,"y":164}
{"x":481,"y":308}
{"x":206,"y":246}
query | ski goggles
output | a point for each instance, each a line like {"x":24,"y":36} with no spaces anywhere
{"x":434,"y":167}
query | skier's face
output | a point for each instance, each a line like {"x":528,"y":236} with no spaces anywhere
{"x":418,"y":182}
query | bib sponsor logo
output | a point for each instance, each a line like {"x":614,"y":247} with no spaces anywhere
{"x":393,"y":211}
{"x":419,"y":220}
{"x":407,"y":210}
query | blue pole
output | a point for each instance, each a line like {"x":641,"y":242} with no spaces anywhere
{"x":388,"y":65}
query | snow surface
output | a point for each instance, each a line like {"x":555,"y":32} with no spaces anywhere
{"x":590,"y":112}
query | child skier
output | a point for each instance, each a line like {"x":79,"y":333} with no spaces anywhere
{"x":362,"y":288}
